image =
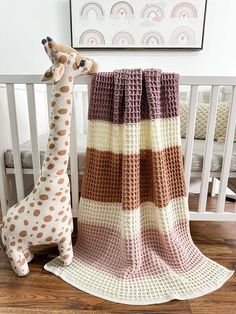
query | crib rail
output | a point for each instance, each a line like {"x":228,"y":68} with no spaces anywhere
{"x":194,"y":82}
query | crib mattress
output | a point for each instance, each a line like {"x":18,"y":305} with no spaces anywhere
{"x":197,"y":160}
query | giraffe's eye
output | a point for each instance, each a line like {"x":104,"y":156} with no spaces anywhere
{"x":82,"y":63}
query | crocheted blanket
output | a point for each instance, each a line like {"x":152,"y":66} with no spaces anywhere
{"x":134,"y":244}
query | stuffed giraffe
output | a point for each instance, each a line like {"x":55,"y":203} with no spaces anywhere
{"x":44,"y":216}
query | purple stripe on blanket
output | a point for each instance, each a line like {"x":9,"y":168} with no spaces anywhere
{"x":129,"y":96}
{"x":137,"y":257}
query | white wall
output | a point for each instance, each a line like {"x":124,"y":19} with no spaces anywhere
{"x":24,"y":22}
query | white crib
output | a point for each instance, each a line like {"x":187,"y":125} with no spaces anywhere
{"x":19,"y":172}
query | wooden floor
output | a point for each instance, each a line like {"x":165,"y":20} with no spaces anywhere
{"x":42,"y":292}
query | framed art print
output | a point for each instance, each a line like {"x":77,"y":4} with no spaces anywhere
{"x":137,"y":24}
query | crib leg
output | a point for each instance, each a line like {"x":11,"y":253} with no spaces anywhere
{"x":66,"y":251}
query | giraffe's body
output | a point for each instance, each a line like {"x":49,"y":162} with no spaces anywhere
{"x":44,"y":216}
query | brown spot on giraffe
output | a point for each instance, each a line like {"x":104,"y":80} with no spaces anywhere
{"x":60,"y":181}
{"x":64,"y":218}
{"x":47,"y":218}
{"x":63,"y":240}
{"x":43,"y":197}
{"x":39,"y":235}
{"x":64,"y":89}
{"x":62,"y":59}
{"x":63,"y":111}
{"x":12,"y":227}
{"x":61,"y":132}
{"x":59,"y":172}
{"x":62,"y":152}
{"x":48,"y":74}
{"x":23,"y":233}
{"x":36,"y":212}
{"x":21,"y":209}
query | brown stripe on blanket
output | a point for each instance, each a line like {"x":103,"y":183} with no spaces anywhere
{"x":131,"y":179}
{"x":122,"y":99}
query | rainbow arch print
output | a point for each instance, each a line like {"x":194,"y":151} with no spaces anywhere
{"x":123,"y":39}
{"x":184,"y":10}
{"x":91,"y":6}
{"x":92,"y":37}
{"x":152,"y":11}
{"x":182,"y":36}
{"x":152,"y":39}
{"x":122,"y":8}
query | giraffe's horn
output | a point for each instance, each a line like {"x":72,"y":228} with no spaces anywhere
{"x":49,"y":39}
{"x":43,"y":41}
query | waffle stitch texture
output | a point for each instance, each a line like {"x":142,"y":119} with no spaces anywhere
{"x":134,"y":244}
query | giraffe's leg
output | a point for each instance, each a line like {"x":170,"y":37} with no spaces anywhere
{"x":28,"y":255}
{"x":18,"y":262}
{"x":66,"y":250}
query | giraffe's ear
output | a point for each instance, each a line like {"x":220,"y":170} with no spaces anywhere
{"x":48,"y":75}
{"x":59,"y":71}
{"x":94,"y":68}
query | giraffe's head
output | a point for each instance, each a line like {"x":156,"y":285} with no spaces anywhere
{"x":66,"y":59}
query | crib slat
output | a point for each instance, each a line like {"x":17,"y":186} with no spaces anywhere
{"x":227,"y":154}
{"x":15,"y":141}
{"x":85,"y":111}
{"x":49,"y":95}
{"x":190,"y":135}
{"x":74,"y":161}
{"x":33,"y":130}
{"x":208,"y":148}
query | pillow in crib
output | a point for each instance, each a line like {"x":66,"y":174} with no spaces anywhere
{"x":202,"y":118}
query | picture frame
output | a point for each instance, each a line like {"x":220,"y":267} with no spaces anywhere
{"x":167,"y":24}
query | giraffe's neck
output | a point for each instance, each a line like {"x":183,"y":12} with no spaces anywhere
{"x":57,"y":154}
